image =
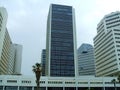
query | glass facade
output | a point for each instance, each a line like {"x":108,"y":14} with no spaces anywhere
{"x":11,"y":88}
{"x":40,"y":88}
{"x":43,"y":60}
{"x":1,"y":87}
{"x":55,"y":88}
{"x":62,"y":44}
{"x":25,"y":88}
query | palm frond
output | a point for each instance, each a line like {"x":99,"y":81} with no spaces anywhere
{"x":113,"y":81}
{"x":38,"y":65}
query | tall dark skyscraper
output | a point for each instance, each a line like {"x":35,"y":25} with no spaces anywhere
{"x":43,"y":60}
{"x":61,"y":41}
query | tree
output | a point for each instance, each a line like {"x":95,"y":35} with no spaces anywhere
{"x":37,"y":69}
{"x":114,"y":82}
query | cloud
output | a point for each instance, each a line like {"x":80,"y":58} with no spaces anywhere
{"x":107,"y":6}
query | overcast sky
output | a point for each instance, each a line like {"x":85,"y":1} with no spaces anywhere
{"x":27,"y":21}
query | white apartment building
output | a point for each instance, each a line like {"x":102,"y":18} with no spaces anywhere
{"x":13,"y":82}
{"x":10,"y":54}
{"x":4,"y":41}
{"x":107,"y":45}
{"x":15,"y":59}
{"x":6,"y":52}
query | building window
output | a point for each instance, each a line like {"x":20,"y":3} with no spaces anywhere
{"x":1,"y":87}
{"x":69,"y":82}
{"x":54,"y":82}
{"x":11,"y":81}
{"x":108,"y":83}
{"x":96,"y":83}
{"x":42,"y":81}
{"x":82,"y":82}
{"x":112,"y":15}
{"x":25,"y":88}
{"x":26,"y":81}
{"x":11,"y":88}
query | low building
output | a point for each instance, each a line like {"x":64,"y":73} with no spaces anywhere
{"x":14,"y":82}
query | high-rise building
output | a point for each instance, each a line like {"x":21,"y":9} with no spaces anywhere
{"x":10,"y":57}
{"x":11,"y":60}
{"x":15,"y":59}
{"x":4,"y":42}
{"x":107,"y":45}
{"x":43,"y":61}
{"x":86,"y":65}
{"x":61,"y":41}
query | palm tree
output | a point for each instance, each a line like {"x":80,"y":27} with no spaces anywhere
{"x":114,"y":82}
{"x":37,"y":69}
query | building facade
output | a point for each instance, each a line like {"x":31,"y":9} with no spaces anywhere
{"x":43,"y":61}
{"x":17,"y":58}
{"x":86,"y":65}
{"x":10,"y":55}
{"x":61,"y":41}
{"x":5,"y":53}
{"x":12,"y":82}
{"x":107,"y":45}
{"x":4,"y":41}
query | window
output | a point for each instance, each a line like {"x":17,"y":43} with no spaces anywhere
{"x":112,"y":15}
{"x":25,"y":88}
{"x":54,"y":82}
{"x":11,"y":88}
{"x":26,"y":81}
{"x":69,"y":82}
{"x":108,"y":83}
{"x":95,"y":82}
{"x":1,"y":87}
{"x":42,"y":81}
{"x":11,"y":81}
{"x":82,"y":82}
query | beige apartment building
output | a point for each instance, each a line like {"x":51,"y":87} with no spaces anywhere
{"x":107,"y":45}
{"x":10,"y":54}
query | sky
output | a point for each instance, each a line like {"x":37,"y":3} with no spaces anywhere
{"x":27,"y":22}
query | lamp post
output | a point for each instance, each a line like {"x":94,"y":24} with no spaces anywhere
{"x":37,"y":69}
